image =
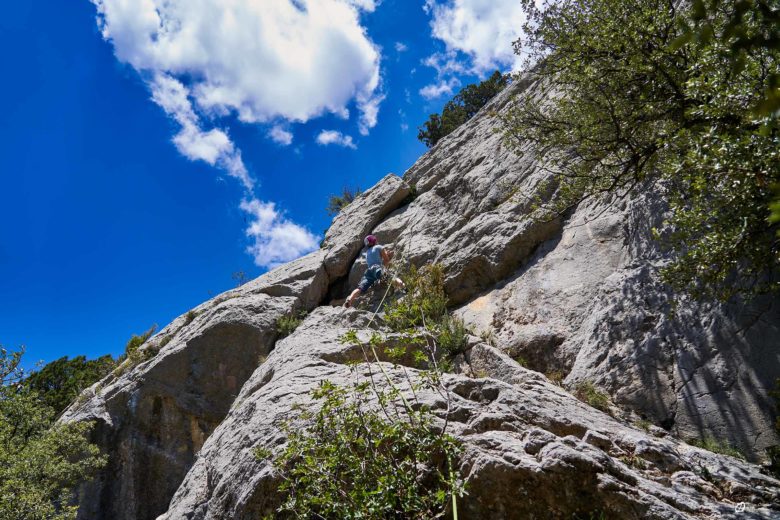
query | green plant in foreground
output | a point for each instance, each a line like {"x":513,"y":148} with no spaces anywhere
{"x":41,"y":462}
{"x":287,"y":324}
{"x":587,"y":392}
{"x":363,"y":456}
{"x":713,"y":445}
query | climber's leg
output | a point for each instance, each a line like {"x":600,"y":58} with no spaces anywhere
{"x":373,"y":275}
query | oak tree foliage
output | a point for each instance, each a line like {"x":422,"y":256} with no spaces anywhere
{"x":678,"y":96}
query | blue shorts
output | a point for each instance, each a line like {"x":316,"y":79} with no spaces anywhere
{"x":372,"y":276}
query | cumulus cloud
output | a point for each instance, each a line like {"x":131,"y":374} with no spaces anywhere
{"x":446,"y":66}
{"x":275,"y":239}
{"x":260,"y":61}
{"x":213,"y":146}
{"x":327,"y":137}
{"x":401,"y":47}
{"x":440,"y":88}
{"x":482,"y":30}
{"x":280,"y":136}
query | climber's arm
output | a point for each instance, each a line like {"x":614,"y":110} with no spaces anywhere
{"x":387,"y":256}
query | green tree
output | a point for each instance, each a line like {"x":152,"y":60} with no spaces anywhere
{"x":750,"y":25}
{"x":59,"y":383}
{"x":41,"y":462}
{"x":639,"y":105}
{"x":461,"y":108}
{"x":338,"y":202}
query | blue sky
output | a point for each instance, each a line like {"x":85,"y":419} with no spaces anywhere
{"x":147,"y":154}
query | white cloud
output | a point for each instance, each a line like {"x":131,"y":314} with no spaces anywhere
{"x":213,"y":146}
{"x":260,"y":60}
{"x":327,"y":137}
{"x":280,"y":136}
{"x":446,"y":66}
{"x":263,"y":61}
{"x":369,"y":113}
{"x":401,"y":47}
{"x":276,"y":239}
{"x":441,"y":88}
{"x":481,"y":29}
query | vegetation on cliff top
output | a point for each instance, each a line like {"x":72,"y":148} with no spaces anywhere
{"x":461,"y":108}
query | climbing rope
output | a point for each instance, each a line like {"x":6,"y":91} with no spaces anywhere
{"x":389,"y":282}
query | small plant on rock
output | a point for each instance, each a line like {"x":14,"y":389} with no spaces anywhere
{"x":453,"y":336}
{"x":587,"y":392}
{"x":336,"y":203}
{"x":715,"y":446}
{"x":287,"y":324}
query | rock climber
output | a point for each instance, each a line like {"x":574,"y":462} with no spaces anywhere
{"x":377,"y":257}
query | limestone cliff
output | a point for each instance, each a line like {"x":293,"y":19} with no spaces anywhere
{"x":579,"y":297}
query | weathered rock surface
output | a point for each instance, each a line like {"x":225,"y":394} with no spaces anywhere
{"x":582,"y":298}
{"x":532,"y":450}
{"x":577,"y":298}
{"x":153,"y":418}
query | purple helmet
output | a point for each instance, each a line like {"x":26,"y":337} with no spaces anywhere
{"x":370,"y":240}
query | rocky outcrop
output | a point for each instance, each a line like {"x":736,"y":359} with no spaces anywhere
{"x":581,"y":298}
{"x":154,"y":417}
{"x":532,"y":450}
{"x":577,"y":299}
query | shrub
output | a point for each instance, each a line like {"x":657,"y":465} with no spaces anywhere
{"x":452,"y":336}
{"x":336,"y":203}
{"x":352,"y":461}
{"x":135,"y":342}
{"x":556,"y":377}
{"x":286,"y":325}
{"x":413,"y":194}
{"x":589,"y":394}
{"x":240,"y":278}
{"x":425,"y":299}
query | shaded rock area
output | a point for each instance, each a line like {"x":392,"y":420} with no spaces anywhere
{"x":574,"y":300}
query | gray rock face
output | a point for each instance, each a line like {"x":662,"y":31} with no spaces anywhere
{"x":532,"y":450}
{"x":344,"y":239}
{"x":578,"y":299}
{"x":153,"y":418}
